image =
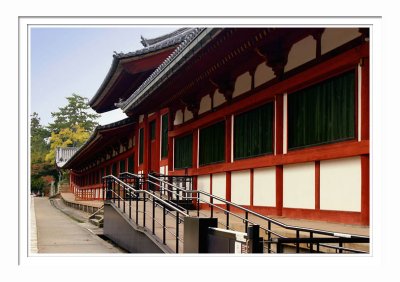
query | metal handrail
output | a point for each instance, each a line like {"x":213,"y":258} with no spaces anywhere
{"x":111,"y":185}
{"x":128,"y":187}
{"x":281,"y":224}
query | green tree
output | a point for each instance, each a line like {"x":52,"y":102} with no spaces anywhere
{"x":37,"y":184}
{"x":39,"y":146}
{"x":66,"y":137}
{"x":77,"y":111}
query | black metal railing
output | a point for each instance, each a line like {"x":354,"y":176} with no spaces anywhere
{"x":182,"y":182}
{"x":141,"y":205}
{"x":306,"y":239}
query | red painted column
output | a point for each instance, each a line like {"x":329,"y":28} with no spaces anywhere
{"x":146,"y":146}
{"x":279,"y":189}
{"x":279,"y":151}
{"x":171,"y":117}
{"x":365,"y":190}
{"x":317,"y":186}
{"x":251,"y":187}
{"x":70,"y":180}
{"x":135,"y":150}
{"x":228,"y":155}
{"x":365,"y":99}
{"x":228,"y":186}
{"x":158,"y":140}
{"x":365,"y":199}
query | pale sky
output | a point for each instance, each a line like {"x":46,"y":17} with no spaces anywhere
{"x":66,"y":60}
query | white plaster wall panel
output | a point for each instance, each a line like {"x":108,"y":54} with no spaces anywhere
{"x":203,"y":184}
{"x":264,"y":187}
{"x":240,"y":187}
{"x":166,"y":170}
{"x":299,"y":186}
{"x":188,"y":115}
{"x":141,"y":117}
{"x":335,"y":37}
{"x":219,"y":186}
{"x":178,"y":117}
{"x":263,"y":74}
{"x":340,"y":186}
{"x":219,"y":99}
{"x":162,"y":169}
{"x":205,"y":104}
{"x":242,"y":84}
{"x":301,"y":53}
{"x":149,"y":115}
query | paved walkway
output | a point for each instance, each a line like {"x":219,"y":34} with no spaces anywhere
{"x":59,"y":233}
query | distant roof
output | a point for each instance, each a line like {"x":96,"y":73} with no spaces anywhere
{"x":64,"y":154}
{"x":151,"y":45}
{"x":97,"y":131}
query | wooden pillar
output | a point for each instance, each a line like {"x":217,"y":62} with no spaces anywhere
{"x":135,"y":149}
{"x":171,"y":117}
{"x":365,"y":99}
{"x":317,"y":186}
{"x":279,"y":189}
{"x":279,"y":151}
{"x":228,"y":155}
{"x":228,"y":186}
{"x":365,"y":190}
{"x":252,"y":187}
{"x":145,"y":146}
{"x":158,"y":140}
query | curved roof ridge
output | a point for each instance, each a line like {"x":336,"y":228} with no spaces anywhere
{"x":151,"y":41}
{"x":189,"y":38}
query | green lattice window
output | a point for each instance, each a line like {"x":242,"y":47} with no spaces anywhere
{"x":183,"y":150}
{"x":322,"y":113}
{"x":253,"y":132}
{"x":212,"y":144}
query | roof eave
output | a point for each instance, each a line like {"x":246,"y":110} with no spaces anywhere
{"x":174,"y":62}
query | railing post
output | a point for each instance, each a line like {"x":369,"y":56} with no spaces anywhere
{"x":227,"y":216}
{"x":269,"y":236}
{"x":164,"y":224}
{"x":297,"y":243}
{"x":154,"y":214}
{"x":246,"y":224}
{"x":212,"y":206}
{"x":177,"y":233}
{"x":311,"y":244}
{"x":130,"y":204}
{"x":144,"y":210}
{"x":198,"y":204}
{"x":137,"y":208}
{"x":109,"y":189}
{"x":119,"y":195}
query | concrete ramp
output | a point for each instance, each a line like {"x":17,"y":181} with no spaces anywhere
{"x":127,"y":235}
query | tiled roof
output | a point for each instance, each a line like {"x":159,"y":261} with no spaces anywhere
{"x":158,"y":44}
{"x":194,"y":33}
{"x":98,"y":128}
{"x":170,"y":36}
{"x":64,"y":154}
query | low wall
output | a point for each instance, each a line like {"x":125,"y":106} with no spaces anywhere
{"x":120,"y":230}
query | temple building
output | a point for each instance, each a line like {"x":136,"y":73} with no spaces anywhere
{"x":272,"y":119}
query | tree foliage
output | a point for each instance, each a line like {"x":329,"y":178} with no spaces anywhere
{"x":39,"y":146}
{"x":77,"y":111}
{"x":67,"y":137}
